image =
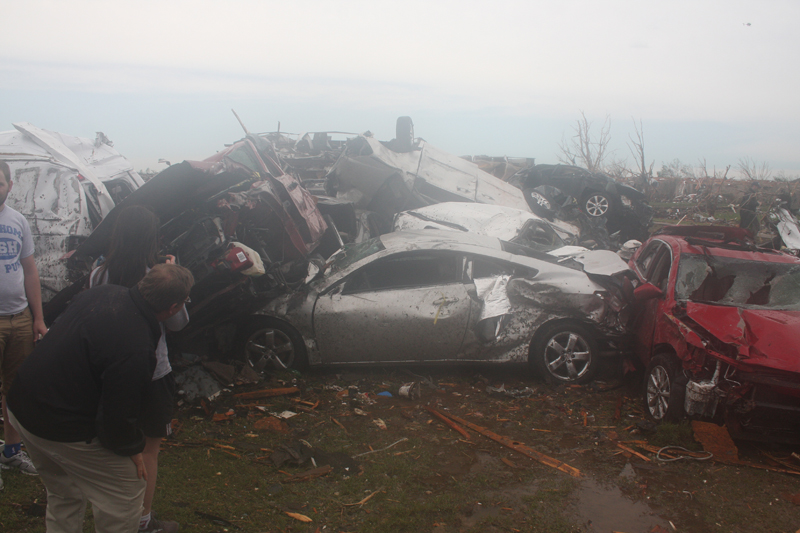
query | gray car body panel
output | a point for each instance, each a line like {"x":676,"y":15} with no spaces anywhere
{"x":442,"y":323}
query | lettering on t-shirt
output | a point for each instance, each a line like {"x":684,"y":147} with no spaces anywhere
{"x":10,"y":247}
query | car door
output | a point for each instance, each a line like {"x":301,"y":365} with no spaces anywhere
{"x":653,"y":265}
{"x":406,"y":307}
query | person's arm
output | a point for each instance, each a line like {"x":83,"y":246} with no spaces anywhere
{"x":33,"y":292}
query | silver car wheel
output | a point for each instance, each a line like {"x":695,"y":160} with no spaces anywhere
{"x":567,"y":356}
{"x":658,"y":391}
{"x":597,"y":205}
{"x":539,"y":199}
{"x":269,"y":346}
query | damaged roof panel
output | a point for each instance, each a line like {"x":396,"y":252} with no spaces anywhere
{"x":429,"y":175}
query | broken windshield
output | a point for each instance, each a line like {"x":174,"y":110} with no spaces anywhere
{"x":738,"y":282}
{"x":352,"y":253}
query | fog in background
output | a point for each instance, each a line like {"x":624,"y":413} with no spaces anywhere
{"x":712,"y":80}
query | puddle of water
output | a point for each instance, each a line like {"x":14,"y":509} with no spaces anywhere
{"x":603,"y":508}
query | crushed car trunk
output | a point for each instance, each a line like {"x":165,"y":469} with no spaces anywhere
{"x":242,"y":227}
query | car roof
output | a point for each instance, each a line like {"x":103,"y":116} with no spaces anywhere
{"x":434,"y":238}
{"x":723,"y":241}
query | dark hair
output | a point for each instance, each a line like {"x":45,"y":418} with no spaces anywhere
{"x":165,"y":286}
{"x":134,"y":246}
{"x":5,"y":170}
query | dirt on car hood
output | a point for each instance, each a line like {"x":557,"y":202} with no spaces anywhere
{"x":763,"y":338}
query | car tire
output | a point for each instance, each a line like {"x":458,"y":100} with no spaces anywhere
{"x":565,"y":352}
{"x":268,"y":344}
{"x":596,"y":204}
{"x":664,"y":388}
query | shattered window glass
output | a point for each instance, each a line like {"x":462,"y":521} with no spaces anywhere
{"x":738,"y":282}
{"x":352,"y":253}
{"x":244,"y":156}
{"x":644,"y":260}
{"x":538,"y":235}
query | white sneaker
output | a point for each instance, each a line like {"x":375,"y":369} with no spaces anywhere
{"x":1,"y":482}
{"x":19,"y":460}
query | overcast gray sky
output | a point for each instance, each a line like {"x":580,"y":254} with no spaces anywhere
{"x":708,"y":79}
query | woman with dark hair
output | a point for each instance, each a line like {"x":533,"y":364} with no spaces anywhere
{"x":132,"y":253}
{"x":133,"y":249}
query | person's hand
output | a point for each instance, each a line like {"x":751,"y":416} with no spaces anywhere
{"x":39,"y":329}
{"x":170,"y":259}
{"x":141,"y":471}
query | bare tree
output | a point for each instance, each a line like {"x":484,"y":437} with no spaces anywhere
{"x":582,"y":149}
{"x":643,"y":173}
{"x":618,"y":168}
{"x":676,"y":169}
{"x":753,"y":170}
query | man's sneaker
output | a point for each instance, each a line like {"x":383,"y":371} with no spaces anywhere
{"x":19,"y":460}
{"x":1,"y":482}
{"x":160,"y":526}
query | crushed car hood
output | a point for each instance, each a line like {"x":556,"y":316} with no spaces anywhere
{"x":764,"y":338}
{"x":601,"y":262}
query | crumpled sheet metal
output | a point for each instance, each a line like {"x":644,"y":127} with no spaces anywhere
{"x":428,"y":174}
{"x":758,"y":337}
{"x":48,"y":191}
{"x":555,"y":299}
{"x":97,"y":161}
{"x":492,"y":292}
{"x":788,"y":229}
{"x":504,"y":223}
{"x":601,"y":262}
{"x":51,"y":198}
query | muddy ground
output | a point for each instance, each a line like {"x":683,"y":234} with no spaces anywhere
{"x":394,"y":466}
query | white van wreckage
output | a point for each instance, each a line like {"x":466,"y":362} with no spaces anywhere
{"x":64,"y":186}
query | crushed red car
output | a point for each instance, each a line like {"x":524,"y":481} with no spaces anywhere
{"x":718,"y":330}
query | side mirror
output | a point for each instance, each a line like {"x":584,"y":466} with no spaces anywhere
{"x":645,"y":292}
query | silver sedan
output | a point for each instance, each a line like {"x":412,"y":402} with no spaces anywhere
{"x":442,"y":297}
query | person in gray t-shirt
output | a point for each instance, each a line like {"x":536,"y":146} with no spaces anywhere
{"x":21,"y":318}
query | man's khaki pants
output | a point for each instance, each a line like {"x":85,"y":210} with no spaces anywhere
{"x":74,"y":472}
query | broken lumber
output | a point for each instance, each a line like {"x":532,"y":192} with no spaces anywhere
{"x":518,"y":447}
{"x":449,"y":422}
{"x":309,"y":474}
{"x":266,"y":393}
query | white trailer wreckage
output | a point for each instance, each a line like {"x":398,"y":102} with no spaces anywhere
{"x":64,"y":186}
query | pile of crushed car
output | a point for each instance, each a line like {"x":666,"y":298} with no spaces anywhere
{"x":319,"y":251}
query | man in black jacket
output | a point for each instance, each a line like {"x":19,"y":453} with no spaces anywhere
{"x":76,"y":399}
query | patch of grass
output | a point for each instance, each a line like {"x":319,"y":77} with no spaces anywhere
{"x":436,"y":480}
{"x":675,"y":434}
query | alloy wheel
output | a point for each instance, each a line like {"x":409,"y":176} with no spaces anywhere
{"x":597,"y":205}
{"x":568,"y":356}
{"x":658,"y":391}
{"x":269,"y":346}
